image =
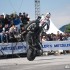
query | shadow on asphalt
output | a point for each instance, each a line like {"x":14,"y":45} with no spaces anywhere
{"x":12,"y":56}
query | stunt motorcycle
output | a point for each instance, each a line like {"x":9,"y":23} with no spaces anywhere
{"x":33,"y":39}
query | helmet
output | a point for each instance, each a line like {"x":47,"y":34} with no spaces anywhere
{"x":48,"y":15}
{"x":39,"y":17}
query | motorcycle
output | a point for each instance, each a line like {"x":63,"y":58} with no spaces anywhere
{"x":33,"y":39}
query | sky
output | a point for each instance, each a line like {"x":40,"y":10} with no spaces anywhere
{"x":59,"y":9}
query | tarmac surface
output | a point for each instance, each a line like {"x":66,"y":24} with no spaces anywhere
{"x":61,"y":62}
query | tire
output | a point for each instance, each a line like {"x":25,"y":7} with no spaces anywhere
{"x":31,"y":54}
{"x":39,"y":52}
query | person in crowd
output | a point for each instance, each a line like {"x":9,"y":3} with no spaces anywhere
{"x":25,"y":19}
{"x":7,"y":20}
{"x":44,"y":38}
{"x":65,"y":36}
{"x":17,"y":21}
{"x":23,"y":33}
{"x":1,"y":32}
{"x":12,"y":32}
{"x":58,"y":36}
{"x":5,"y":36}
{"x":12,"y":28}
{"x":1,"y":27}
{"x":20,"y":14}
{"x":50,"y":37}
{"x":2,"y":20}
{"x":61,"y":37}
{"x":53,"y":37}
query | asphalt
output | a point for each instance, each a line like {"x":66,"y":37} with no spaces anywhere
{"x":61,"y":62}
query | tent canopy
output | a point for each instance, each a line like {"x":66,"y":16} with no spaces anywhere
{"x":53,"y":29}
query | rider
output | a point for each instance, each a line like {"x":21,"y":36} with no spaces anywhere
{"x":35,"y":27}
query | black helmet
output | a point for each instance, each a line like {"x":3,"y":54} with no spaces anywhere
{"x":39,"y":17}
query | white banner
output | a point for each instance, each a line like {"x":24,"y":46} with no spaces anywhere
{"x":12,"y":48}
{"x":56,"y":45}
{"x":20,"y":47}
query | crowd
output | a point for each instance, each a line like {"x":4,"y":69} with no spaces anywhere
{"x":11,"y":26}
{"x":55,"y":37}
{"x":12,"y":29}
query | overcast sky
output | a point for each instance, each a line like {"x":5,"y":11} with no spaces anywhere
{"x":59,"y":9}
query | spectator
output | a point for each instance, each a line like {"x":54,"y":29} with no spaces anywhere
{"x":57,"y":36}
{"x":2,"y":20}
{"x":5,"y":33}
{"x":1,"y":27}
{"x":25,"y":19}
{"x":6,"y":20}
{"x":12,"y":31}
{"x":17,"y":22}
{"x":50,"y":37}
{"x":1,"y":32}
{"x":65,"y":37}
{"x":61,"y":37}
{"x":23,"y":33}
{"x":44,"y":38}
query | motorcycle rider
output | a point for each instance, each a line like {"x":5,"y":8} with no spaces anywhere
{"x":34,"y":29}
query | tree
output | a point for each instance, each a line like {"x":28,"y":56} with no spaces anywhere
{"x":67,"y":30}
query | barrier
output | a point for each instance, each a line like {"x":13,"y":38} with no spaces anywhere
{"x":20,"y":47}
{"x":56,"y":45}
{"x":12,"y":48}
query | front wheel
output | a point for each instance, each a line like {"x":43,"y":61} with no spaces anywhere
{"x":31,"y":54}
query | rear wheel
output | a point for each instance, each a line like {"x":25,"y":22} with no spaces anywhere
{"x":31,"y":54}
{"x":39,"y":52}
